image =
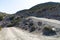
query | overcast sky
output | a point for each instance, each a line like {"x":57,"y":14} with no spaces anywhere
{"x":12,"y":6}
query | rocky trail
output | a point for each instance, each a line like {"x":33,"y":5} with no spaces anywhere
{"x":13,"y":33}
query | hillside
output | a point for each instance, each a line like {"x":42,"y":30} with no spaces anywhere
{"x":46,"y":10}
{"x":50,"y":10}
{"x":3,"y":15}
{"x":49,"y":13}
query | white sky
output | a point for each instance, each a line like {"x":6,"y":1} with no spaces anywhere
{"x":12,"y":6}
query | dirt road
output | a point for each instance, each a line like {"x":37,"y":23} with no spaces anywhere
{"x":13,"y":33}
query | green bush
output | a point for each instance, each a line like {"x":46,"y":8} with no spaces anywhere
{"x":47,"y":28}
{"x":48,"y":31}
{"x":1,"y":18}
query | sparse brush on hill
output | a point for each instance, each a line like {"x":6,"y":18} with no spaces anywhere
{"x":2,"y":15}
{"x":49,"y":10}
{"x":46,"y":10}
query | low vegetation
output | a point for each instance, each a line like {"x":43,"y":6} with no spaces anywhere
{"x":48,"y":31}
{"x":0,"y":28}
{"x":1,"y":18}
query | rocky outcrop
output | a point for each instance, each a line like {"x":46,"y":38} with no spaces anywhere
{"x":34,"y":24}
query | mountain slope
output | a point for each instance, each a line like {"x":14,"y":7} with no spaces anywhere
{"x":46,"y":10}
{"x":49,"y":10}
